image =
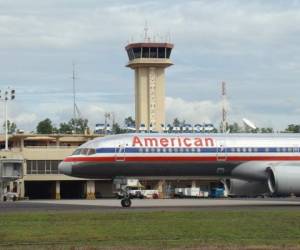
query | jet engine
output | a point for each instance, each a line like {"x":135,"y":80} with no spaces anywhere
{"x":284,"y":180}
{"x":237,"y":187}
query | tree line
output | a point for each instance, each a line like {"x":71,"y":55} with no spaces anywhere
{"x":80,"y":126}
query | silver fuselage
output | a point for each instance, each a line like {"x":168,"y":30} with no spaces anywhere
{"x":182,"y":155}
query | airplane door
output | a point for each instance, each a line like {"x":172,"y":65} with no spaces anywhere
{"x":120,"y":153}
{"x":221,"y":151}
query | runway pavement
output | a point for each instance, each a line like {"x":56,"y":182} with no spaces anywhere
{"x":108,"y":205}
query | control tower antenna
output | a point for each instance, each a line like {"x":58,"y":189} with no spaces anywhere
{"x":146,"y":38}
{"x":76,"y":112}
{"x":224,"y":108}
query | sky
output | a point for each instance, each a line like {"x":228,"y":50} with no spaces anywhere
{"x":251,"y":45}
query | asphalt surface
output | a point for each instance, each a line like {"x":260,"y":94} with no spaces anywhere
{"x":113,"y":205}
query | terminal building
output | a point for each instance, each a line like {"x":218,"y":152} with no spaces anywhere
{"x":40,"y":156}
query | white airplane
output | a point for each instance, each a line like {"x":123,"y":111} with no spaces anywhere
{"x":250,"y":164}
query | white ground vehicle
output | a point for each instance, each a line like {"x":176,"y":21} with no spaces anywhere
{"x":150,"y":193}
{"x":10,"y":196}
{"x":133,"y":188}
{"x":140,"y":193}
{"x":190,"y":192}
{"x":134,"y":192}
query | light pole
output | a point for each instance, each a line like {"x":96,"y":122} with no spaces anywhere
{"x":8,"y":95}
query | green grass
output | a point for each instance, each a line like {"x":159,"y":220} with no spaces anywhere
{"x":150,"y":229}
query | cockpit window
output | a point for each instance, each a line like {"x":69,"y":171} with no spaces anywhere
{"x":77,"y":152}
{"x":91,"y":151}
{"x":84,"y":151}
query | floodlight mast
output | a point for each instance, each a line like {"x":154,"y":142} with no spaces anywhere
{"x":8,"y":95}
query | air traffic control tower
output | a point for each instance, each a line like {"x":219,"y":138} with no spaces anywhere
{"x":149,"y":60}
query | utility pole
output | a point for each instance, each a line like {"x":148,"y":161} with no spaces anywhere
{"x":224,"y":109}
{"x":76,"y":112}
{"x":74,"y":93}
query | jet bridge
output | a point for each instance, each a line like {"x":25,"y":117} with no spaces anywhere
{"x":10,"y":170}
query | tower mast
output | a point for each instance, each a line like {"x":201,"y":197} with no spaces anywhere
{"x":74,"y":92}
{"x":224,"y":108}
{"x":76,"y":112}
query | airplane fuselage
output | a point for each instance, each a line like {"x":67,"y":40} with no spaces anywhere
{"x":179,"y":154}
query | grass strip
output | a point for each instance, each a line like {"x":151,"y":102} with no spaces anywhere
{"x":162,"y":229}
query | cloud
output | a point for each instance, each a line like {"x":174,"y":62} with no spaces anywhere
{"x":232,"y":22}
{"x":252,"y":45}
{"x":26,"y":121}
{"x":193,"y":112}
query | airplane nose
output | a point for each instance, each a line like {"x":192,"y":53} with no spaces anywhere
{"x":65,"y":168}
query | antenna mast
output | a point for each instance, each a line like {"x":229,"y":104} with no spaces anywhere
{"x":76,"y":113}
{"x":146,"y":38}
{"x":74,"y":92}
{"x":224,"y":110}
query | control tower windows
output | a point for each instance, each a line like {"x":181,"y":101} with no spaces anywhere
{"x":130,"y":54}
{"x":137,"y":52}
{"x":146,"y":52}
{"x":153,"y":53}
{"x":149,"y":52}
{"x":168,"y":52}
{"x":161,"y":53}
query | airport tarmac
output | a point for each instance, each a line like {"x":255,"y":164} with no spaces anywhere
{"x":107,"y":205}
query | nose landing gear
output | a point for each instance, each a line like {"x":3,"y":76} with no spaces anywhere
{"x":123,"y":190}
{"x":126,"y":202}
